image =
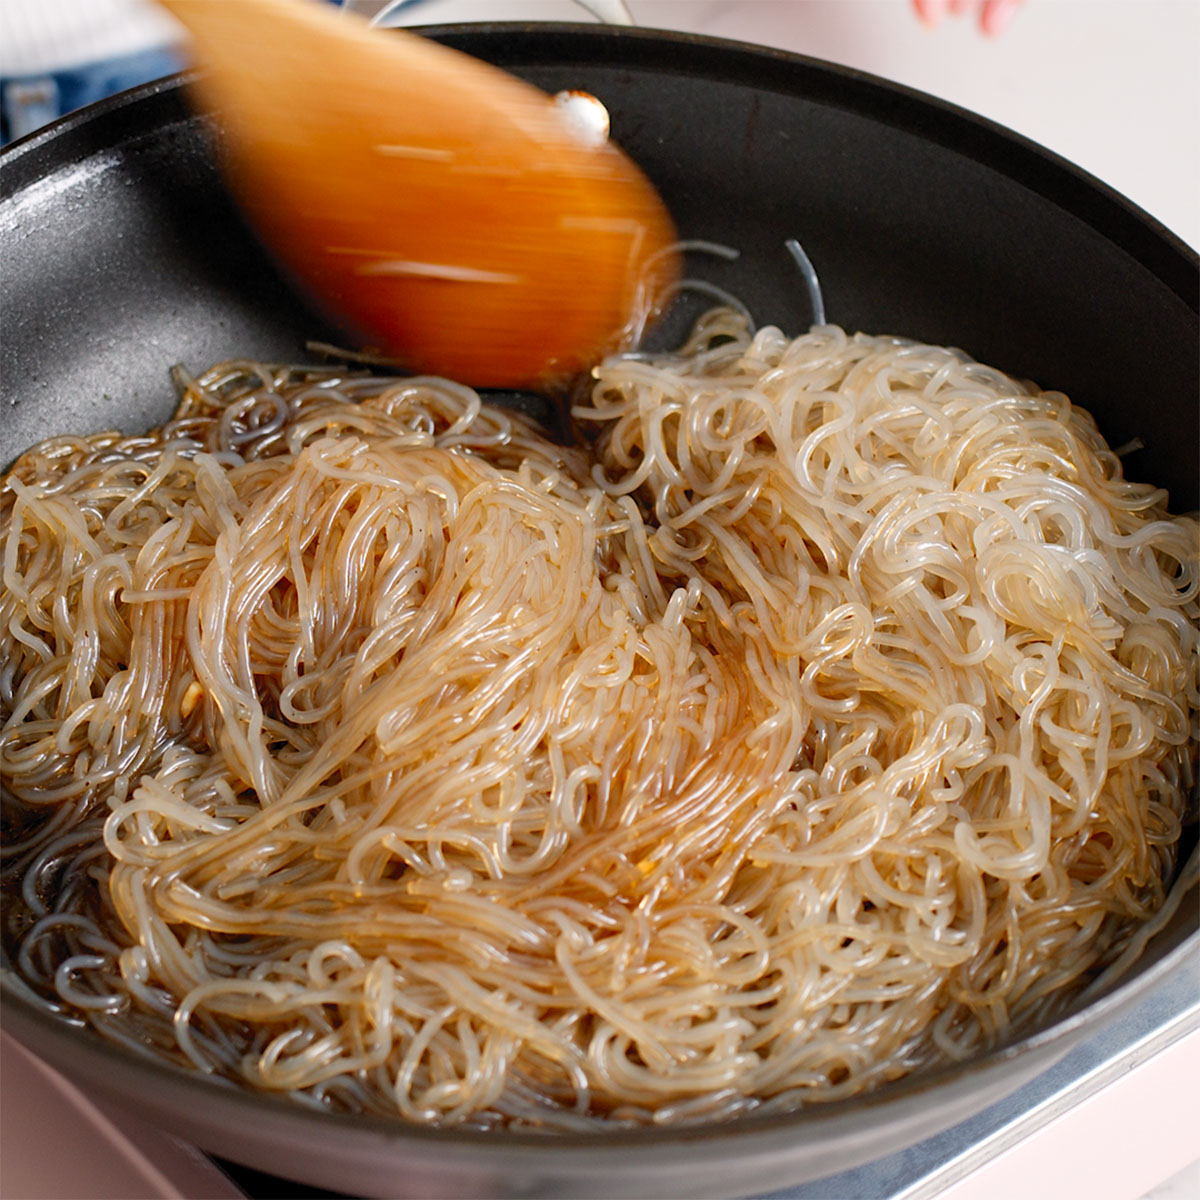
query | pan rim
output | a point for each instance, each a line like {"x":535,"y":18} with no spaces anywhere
{"x":1048,"y":174}
{"x":820,"y":1121}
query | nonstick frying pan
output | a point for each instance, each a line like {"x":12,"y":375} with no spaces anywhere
{"x":123,"y":255}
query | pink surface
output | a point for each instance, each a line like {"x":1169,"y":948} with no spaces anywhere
{"x":56,"y":1145}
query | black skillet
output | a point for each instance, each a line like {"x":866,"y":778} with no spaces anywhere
{"x":122,"y":256}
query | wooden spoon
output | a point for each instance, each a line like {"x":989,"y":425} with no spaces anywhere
{"x":441,"y":206}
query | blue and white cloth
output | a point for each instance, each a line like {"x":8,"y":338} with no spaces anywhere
{"x":58,"y":55}
{"x":28,"y":102}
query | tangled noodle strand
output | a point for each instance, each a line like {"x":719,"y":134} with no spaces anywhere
{"x":831,"y":717}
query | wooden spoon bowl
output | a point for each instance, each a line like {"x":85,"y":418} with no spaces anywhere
{"x":440,"y":206}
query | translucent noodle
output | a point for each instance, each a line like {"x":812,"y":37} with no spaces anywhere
{"x":832,"y":716}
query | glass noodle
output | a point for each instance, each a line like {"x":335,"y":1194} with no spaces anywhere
{"x":831,"y":716}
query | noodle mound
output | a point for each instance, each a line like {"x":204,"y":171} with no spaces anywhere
{"x":831,"y":718}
